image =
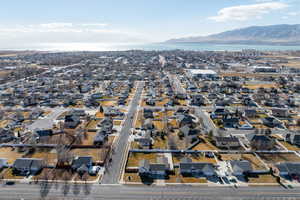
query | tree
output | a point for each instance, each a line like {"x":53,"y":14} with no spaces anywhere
{"x":210,"y":135}
{"x":172,"y":144}
{"x":64,"y":155}
{"x":101,"y":109}
{"x":268,"y":132}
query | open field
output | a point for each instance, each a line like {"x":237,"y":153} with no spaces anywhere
{"x":257,"y":86}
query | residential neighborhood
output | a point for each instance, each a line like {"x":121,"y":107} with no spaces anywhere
{"x":226,"y":119}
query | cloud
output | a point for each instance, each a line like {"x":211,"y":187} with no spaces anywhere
{"x":94,"y":24}
{"x":246,"y":12}
{"x":293,"y":13}
{"x":52,"y":33}
{"x":56,"y":25}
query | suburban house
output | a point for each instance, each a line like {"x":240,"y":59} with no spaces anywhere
{"x":27,"y":166}
{"x":189,"y":168}
{"x":3,"y":163}
{"x":251,"y":113}
{"x":148,"y":113}
{"x":185,"y":119}
{"x":38,"y":133}
{"x":71,"y":121}
{"x":154,"y":170}
{"x":240,"y":167}
{"x":227,"y":142}
{"x":187,"y":131}
{"x":148,"y":124}
{"x":261,"y":142}
{"x":82,"y":164}
{"x":6,"y":135}
{"x":271,"y":122}
{"x":112,"y":112}
{"x":280,"y":112}
{"x":293,"y":138}
{"x":144,"y":142}
{"x":100,"y":138}
{"x":106,"y":124}
{"x":291,"y":169}
{"x":197,"y":100}
{"x":230,"y":121}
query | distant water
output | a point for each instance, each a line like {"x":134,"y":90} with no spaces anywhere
{"x":154,"y":46}
{"x":212,"y":47}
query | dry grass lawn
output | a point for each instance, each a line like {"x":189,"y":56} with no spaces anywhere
{"x":96,"y":154}
{"x":159,"y":125}
{"x":132,"y":177}
{"x":92,"y":124}
{"x":160,"y":143}
{"x":135,"y":158}
{"x":255,"y":162}
{"x":10,"y":154}
{"x":263,"y":179}
{"x":108,"y":103}
{"x":257,"y":86}
{"x":117,"y":122}
{"x":290,"y":146}
{"x":279,"y":157}
{"x":49,"y":157}
{"x":8,"y":174}
{"x":199,"y":158}
{"x":99,"y":115}
{"x":206,"y":145}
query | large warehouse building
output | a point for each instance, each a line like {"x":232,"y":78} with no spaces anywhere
{"x":201,"y":73}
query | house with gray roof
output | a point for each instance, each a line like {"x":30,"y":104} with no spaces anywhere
{"x":240,"y":167}
{"x":27,"y":166}
{"x":154,"y":170}
{"x":289,"y":168}
{"x":197,"y":169}
{"x":231,"y":142}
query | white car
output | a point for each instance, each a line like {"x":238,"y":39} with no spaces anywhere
{"x":94,"y":170}
{"x":246,"y":127}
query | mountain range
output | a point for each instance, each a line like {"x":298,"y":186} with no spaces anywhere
{"x":282,"y":34}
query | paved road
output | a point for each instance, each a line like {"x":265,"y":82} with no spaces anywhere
{"x":48,"y":121}
{"x":114,"y":169}
{"x":61,"y":191}
{"x":206,"y":120}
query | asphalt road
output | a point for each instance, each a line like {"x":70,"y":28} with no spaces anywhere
{"x":114,"y":169}
{"x":48,"y":121}
{"x":91,"y":192}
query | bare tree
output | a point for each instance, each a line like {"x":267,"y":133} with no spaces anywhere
{"x":64,"y":156}
{"x":172,"y":144}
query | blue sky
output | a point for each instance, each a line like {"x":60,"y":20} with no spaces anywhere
{"x":134,"y":21}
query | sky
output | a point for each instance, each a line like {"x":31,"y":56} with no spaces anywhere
{"x":35,"y":22}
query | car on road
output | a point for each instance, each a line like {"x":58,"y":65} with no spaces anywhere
{"x":9,"y":183}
